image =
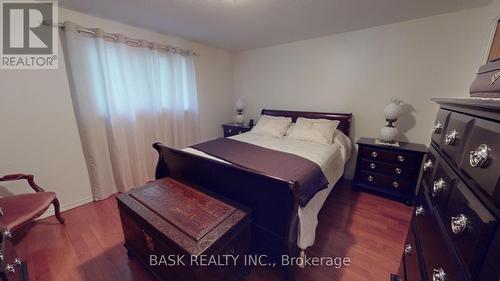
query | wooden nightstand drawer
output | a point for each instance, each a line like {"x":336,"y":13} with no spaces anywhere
{"x":388,"y":169}
{"x":383,"y":181}
{"x":233,"y":129}
{"x":396,"y":157}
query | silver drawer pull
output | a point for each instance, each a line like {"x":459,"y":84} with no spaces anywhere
{"x":7,"y":234}
{"x":230,"y":130}
{"x":395,"y":184}
{"x":401,"y":158}
{"x":373,"y":166}
{"x":479,"y":157}
{"x":451,"y":137}
{"x":408,"y":249}
{"x":17,"y":261}
{"x":427,"y":165}
{"x":437,"y":128}
{"x":419,"y":211}
{"x":370,"y":178}
{"x":494,"y":77}
{"x":438,"y":274}
{"x":459,"y":224}
{"x":438,"y":186}
{"x":398,"y":171}
{"x":9,"y":268}
{"x":374,"y":154}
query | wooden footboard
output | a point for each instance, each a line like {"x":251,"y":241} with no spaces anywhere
{"x":274,"y":202}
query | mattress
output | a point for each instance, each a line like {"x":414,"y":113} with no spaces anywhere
{"x":330,"y":158}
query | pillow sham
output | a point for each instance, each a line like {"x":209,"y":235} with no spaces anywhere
{"x":314,"y":130}
{"x":272,"y":126}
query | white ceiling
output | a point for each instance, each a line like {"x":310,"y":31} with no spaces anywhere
{"x":246,"y":24}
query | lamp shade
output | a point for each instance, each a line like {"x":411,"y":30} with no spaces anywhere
{"x":393,"y":110}
{"x":240,"y":104}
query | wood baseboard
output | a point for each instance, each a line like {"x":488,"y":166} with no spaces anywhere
{"x":65,"y":207}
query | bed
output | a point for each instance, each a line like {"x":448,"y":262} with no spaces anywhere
{"x":280,"y":224}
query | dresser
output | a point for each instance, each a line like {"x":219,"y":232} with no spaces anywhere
{"x":454,"y":233}
{"x":390,"y":171}
{"x":12,"y":268}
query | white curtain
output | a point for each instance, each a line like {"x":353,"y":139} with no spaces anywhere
{"x":125,"y":99}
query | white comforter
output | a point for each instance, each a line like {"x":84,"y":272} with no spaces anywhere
{"x":331,"y":159}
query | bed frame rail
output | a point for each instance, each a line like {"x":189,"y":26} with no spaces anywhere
{"x":274,"y":202}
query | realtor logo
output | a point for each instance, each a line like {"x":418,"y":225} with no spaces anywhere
{"x":29,"y":34}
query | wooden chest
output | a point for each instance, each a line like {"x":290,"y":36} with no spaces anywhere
{"x":181,"y":233}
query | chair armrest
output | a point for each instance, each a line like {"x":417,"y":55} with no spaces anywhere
{"x":27,"y":177}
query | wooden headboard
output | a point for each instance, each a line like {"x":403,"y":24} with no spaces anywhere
{"x":344,"y":118}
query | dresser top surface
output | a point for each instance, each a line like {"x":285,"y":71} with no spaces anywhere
{"x":480,"y":103}
{"x":404,"y":146}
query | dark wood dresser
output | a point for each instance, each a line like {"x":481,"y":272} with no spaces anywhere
{"x":454,"y":234}
{"x":387,"y":170}
{"x":231,"y":129}
{"x":12,"y":268}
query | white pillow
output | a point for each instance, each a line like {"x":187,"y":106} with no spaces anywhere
{"x":314,"y":130}
{"x":272,"y":126}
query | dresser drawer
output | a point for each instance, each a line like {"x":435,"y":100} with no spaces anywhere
{"x":470,"y":226}
{"x":401,"y":158}
{"x":438,"y":259}
{"x":388,"y":169}
{"x":443,"y":183}
{"x":387,"y":182}
{"x":429,"y":167}
{"x":440,"y":126}
{"x":456,"y":135}
{"x":411,"y":257}
{"x":481,"y":160}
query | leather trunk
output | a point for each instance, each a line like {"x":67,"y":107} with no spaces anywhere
{"x":487,"y":82}
{"x":181,"y":233}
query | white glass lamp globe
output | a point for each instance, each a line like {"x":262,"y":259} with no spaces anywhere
{"x":240,"y":105}
{"x":393,"y":110}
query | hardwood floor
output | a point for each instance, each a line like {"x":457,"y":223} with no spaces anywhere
{"x":370,"y":230}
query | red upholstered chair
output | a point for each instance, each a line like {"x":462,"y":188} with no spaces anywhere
{"x":19,"y":210}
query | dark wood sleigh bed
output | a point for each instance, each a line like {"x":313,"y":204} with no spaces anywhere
{"x":274,"y":202}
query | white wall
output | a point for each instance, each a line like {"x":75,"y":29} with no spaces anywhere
{"x":360,"y":71}
{"x":357,"y":71}
{"x":38,"y":131}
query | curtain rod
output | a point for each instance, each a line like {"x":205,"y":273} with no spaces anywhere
{"x":131,"y":41}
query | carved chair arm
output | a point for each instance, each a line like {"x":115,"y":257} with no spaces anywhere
{"x":27,"y":177}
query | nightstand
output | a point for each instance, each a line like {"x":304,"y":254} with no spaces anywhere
{"x":389,"y":171}
{"x":231,"y":129}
